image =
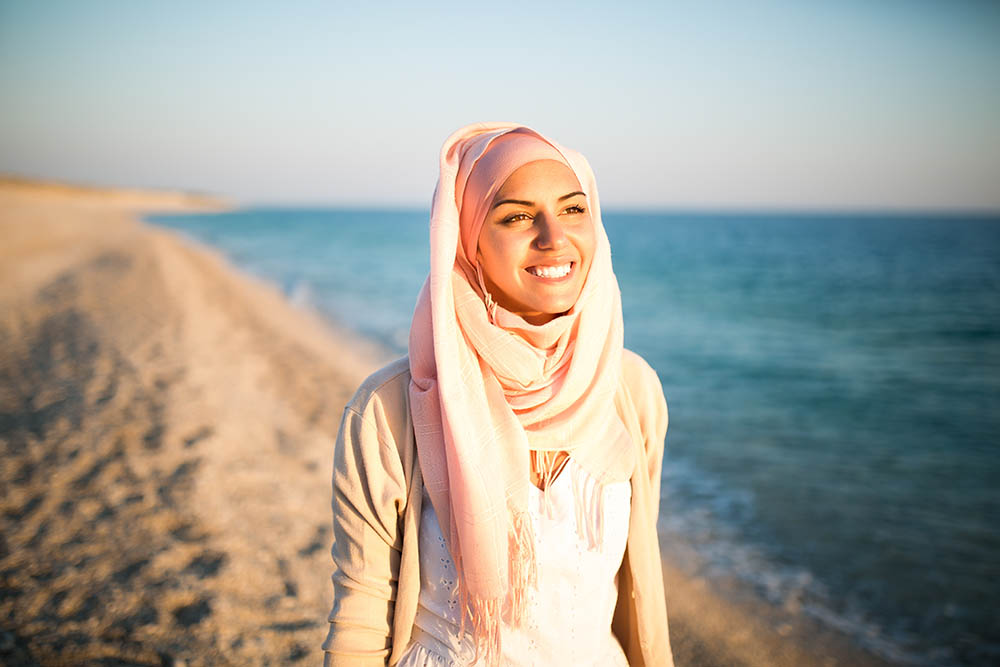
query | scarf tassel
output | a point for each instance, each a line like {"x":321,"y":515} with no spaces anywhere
{"x":486,"y":612}
{"x":523,"y":568}
{"x":486,"y":629}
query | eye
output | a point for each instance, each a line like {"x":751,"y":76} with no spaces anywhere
{"x":516,"y":217}
{"x":576,"y":209}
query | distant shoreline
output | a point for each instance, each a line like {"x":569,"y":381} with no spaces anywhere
{"x":155,"y":200}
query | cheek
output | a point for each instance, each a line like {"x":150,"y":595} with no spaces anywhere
{"x":587,"y":244}
{"x":499,"y":249}
{"x":494,"y":258}
{"x":487,"y":252}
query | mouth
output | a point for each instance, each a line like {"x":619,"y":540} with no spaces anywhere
{"x":552,"y":272}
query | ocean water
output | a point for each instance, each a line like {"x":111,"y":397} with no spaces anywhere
{"x":834,"y":393}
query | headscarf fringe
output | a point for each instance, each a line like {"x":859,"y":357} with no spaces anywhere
{"x":486,"y":613}
{"x":523,"y":568}
{"x":486,"y":630}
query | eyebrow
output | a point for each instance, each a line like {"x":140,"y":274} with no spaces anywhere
{"x":530,"y":203}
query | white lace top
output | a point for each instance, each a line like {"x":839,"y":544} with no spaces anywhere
{"x":568,"y":620}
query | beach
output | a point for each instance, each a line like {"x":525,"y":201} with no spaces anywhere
{"x":168,"y":424}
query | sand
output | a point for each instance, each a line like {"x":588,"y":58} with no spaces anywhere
{"x":167,"y":427}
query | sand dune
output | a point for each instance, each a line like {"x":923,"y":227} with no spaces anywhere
{"x":167,"y":426}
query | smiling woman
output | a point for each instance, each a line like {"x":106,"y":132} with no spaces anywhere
{"x":505,"y":475}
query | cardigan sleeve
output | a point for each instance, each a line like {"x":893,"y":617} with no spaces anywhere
{"x":369,"y":494}
{"x":651,"y":405}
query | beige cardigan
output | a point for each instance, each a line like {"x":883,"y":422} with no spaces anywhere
{"x":376,"y":515}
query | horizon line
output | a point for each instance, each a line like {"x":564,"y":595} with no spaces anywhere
{"x":680,"y":209}
{"x":699,"y":208}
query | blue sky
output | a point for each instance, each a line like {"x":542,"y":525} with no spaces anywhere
{"x":842,"y":105}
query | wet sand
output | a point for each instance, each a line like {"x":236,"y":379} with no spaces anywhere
{"x":167,"y":426}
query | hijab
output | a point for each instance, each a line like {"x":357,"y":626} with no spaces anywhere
{"x":487,"y":387}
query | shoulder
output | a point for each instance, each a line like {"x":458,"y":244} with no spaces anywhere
{"x":386,"y":388}
{"x":378,"y":415}
{"x":646,"y":391}
{"x":640,"y":378}
{"x":637,"y":370}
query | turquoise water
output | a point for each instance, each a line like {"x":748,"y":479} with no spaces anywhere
{"x":834,"y":392}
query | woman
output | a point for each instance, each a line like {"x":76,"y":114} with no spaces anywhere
{"x":496,"y":492}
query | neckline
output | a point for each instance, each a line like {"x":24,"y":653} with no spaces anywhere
{"x":555,"y":480}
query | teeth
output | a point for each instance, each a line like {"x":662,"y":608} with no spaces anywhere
{"x":550,"y":271}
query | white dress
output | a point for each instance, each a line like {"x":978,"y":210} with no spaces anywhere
{"x":568,"y":618}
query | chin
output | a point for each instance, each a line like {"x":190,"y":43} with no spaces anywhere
{"x":556,"y":309}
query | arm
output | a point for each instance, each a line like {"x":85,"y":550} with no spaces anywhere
{"x":368,"y":496}
{"x":651,"y":407}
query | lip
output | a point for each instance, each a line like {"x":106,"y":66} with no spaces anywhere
{"x":573,"y":264}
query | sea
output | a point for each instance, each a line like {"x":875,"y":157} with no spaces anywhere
{"x":833,"y":383}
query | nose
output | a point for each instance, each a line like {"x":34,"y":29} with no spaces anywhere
{"x":551,"y":235}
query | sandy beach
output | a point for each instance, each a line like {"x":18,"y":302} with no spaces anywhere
{"x":167,"y":426}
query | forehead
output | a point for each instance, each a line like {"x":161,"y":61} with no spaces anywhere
{"x":541,"y":177}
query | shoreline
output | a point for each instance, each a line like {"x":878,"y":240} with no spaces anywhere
{"x":167,"y":424}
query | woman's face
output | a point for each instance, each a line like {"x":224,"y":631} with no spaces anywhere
{"x":537,"y":241}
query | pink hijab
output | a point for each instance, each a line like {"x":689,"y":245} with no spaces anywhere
{"x":488,"y":387}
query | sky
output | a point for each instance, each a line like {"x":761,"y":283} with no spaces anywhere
{"x":829,"y":105}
